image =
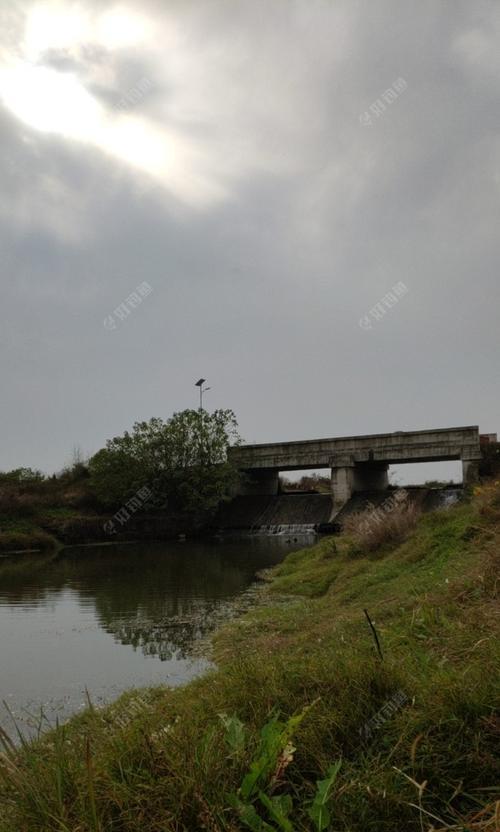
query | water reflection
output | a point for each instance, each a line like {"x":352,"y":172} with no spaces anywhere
{"x":108,"y":618}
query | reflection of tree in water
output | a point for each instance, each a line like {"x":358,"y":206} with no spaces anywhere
{"x":183,"y":637}
{"x":158,"y":598}
{"x":168,"y":639}
{"x":23,"y":579}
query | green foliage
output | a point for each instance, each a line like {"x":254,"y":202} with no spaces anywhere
{"x":250,"y":818}
{"x":235,"y":733}
{"x":183,"y":460}
{"x":318,"y":810}
{"x":279,"y":808}
{"x":274,"y":741}
{"x":274,"y":754}
{"x":23,"y":541}
{"x":21,"y":476}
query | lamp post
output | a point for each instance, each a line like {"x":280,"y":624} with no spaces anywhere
{"x":200,"y":384}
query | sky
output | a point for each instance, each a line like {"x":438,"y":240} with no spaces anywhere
{"x":296,"y":199}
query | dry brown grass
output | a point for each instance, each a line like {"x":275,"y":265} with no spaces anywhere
{"x":377,"y":525}
{"x":486,"y":820}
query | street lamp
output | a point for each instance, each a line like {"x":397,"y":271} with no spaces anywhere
{"x":200,"y":384}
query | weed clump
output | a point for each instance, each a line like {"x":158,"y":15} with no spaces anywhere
{"x":374,"y":527}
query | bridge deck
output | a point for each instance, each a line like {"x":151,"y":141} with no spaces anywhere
{"x":401,"y":446}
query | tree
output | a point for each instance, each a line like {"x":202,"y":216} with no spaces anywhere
{"x":22,"y":476}
{"x":183,"y":460}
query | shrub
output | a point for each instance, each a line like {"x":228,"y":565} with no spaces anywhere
{"x":21,"y":502}
{"x":20,"y":541}
{"x":21,"y":476}
{"x":8,"y":501}
{"x":25,"y":505}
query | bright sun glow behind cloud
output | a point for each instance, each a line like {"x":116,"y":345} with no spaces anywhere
{"x":50,"y":101}
{"x":51,"y":26}
{"x":119,"y":28}
{"x":55,"y":101}
{"x":54,"y":25}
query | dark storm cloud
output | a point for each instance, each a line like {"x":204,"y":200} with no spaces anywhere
{"x":306,"y":217}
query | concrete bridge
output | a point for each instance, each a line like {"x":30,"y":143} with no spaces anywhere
{"x":357,"y":463}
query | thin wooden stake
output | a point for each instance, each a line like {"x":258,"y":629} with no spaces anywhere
{"x":375,"y":636}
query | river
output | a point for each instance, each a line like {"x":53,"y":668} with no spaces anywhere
{"x":104,"y":619}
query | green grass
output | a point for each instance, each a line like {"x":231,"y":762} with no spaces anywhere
{"x":18,"y":533}
{"x":36,"y":514}
{"x":160,"y":760}
{"x":39,"y":530}
{"x":63,"y":512}
{"x":23,"y":525}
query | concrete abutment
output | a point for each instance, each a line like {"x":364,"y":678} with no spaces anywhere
{"x":470,"y":471}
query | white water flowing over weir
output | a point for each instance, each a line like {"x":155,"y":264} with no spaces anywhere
{"x":449,"y":496}
{"x":289,"y":529}
{"x":443,"y":498}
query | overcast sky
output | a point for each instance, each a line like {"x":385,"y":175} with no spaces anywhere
{"x":266,"y":172}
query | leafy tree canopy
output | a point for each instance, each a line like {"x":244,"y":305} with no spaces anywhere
{"x":22,"y":475}
{"x":183,"y":460}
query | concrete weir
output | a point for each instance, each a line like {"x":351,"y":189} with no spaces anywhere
{"x":357,"y":463}
{"x":290,"y":513}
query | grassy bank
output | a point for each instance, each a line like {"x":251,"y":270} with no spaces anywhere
{"x":410,"y":742}
{"x":47,"y":519}
{"x":28,"y":540}
{"x":48,"y":528}
{"x":38,"y":512}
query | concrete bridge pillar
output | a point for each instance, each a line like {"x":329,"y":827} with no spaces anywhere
{"x":343,"y":477}
{"x":342,"y":484}
{"x":349,"y":477}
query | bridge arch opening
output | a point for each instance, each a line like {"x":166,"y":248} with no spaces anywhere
{"x":423,"y":473}
{"x":305,"y":481}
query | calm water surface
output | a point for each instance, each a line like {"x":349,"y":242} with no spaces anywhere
{"x":109,"y":618}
